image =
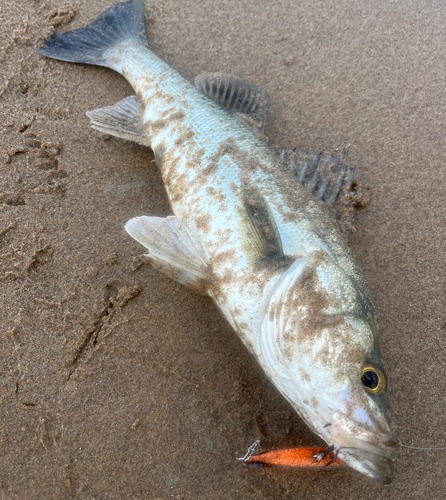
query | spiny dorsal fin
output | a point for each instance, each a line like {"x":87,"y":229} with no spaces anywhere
{"x":173,"y":248}
{"x":237,"y":96}
{"x":262,"y":234}
{"x":120,"y":120}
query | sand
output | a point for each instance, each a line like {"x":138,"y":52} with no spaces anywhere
{"x":117,"y":383}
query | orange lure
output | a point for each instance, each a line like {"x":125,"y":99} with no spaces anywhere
{"x":295,"y":457}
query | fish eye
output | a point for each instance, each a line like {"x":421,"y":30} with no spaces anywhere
{"x":373,"y":380}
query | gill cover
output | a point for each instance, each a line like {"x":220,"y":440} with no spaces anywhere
{"x":301,"y":300}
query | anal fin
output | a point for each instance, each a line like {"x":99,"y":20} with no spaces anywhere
{"x":173,"y":249}
{"x":120,"y":120}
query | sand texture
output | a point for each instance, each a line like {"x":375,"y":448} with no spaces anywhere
{"x":116,"y":383}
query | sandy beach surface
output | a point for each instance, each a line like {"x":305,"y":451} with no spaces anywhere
{"x":116,"y":383}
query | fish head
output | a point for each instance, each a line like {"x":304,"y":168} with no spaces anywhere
{"x":354,"y":414}
{"x":319,"y":346}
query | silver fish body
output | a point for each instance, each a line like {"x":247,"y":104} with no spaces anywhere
{"x":248,"y":234}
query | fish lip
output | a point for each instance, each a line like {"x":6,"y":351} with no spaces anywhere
{"x":378,"y":464}
{"x":387,"y":446}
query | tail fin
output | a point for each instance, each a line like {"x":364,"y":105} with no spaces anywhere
{"x":124,"y":21}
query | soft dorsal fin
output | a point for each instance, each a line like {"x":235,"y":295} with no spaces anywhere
{"x":262,"y":234}
{"x":324,"y":174}
{"x":173,"y":248}
{"x":121,"y":120}
{"x":330,"y":179}
{"x":243,"y":99}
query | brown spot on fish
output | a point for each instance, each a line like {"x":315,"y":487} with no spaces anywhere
{"x":235,"y":188}
{"x":222,"y":257}
{"x":184,"y":137}
{"x":211,"y":191}
{"x":200,"y":153}
{"x":243,"y":326}
{"x":289,"y":342}
{"x":217,"y":195}
{"x":147,"y":85}
{"x":224,"y":206}
{"x":203,"y":222}
{"x":154,"y":127}
{"x":177,"y":115}
{"x":166,"y":114}
{"x":226,"y":148}
{"x":311,"y":297}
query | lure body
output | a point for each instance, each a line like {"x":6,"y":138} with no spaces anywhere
{"x":247,"y":233}
{"x":296,"y":457}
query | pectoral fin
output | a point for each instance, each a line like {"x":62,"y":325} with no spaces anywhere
{"x":173,"y":248}
{"x":246,"y":101}
{"x":121,"y":120}
{"x":261,"y":232}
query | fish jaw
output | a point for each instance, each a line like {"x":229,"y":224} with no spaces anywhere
{"x":369,"y":448}
{"x":360,"y":433}
{"x":372,"y":465}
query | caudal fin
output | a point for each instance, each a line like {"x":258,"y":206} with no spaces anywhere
{"x":92,"y":44}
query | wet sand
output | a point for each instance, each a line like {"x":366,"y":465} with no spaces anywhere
{"x":118,"y":383}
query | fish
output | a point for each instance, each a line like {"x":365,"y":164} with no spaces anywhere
{"x":255,"y":229}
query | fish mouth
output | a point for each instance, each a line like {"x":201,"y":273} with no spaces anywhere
{"x":374,"y":462}
{"x":369,"y":447}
